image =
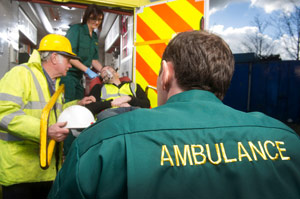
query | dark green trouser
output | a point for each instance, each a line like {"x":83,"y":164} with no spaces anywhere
{"x":73,"y":86}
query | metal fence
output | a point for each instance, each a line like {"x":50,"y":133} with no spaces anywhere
{"x":271,"y":87}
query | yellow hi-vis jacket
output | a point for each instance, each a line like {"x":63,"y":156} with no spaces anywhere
{"x":111,"y":91}
{"x":23,"y":94}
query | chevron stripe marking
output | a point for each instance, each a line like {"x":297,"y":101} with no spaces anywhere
{"x":152,"y":94}
{"x":147,"y":34}
{"x":141,"y":80}
{"x":187,"y":12}
{"x":171,"y":18}
{"x":156,"y":23}
{"x":145,"y":70}
{"x":144,"y":30}
{"x":149,"y":56}
{"x":198,"y":4}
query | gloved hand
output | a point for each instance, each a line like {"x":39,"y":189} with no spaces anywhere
{"x":91,"y":73}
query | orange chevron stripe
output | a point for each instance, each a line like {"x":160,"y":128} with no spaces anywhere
{"x":145,"y":31}
{"x":199,"y":5}
{"x":147,"y":34}
{"x":145,"y":70}
{"x":171,"y":18}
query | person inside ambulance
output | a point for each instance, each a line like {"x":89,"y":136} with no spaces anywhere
{"x":85,"y":44}
{"x":24,"y":92}
{"x":191,"y":145}
{"x":114,"y":97}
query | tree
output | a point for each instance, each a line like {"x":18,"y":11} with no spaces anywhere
{"x":257,"y":41}
{"x":288,"y":27}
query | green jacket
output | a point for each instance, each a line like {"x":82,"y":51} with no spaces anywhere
{"x":83,"y":45}
{"x":192,"y":147}
{"x":23,"y":94}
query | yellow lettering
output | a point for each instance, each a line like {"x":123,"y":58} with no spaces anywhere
{"x":183,"y":159}
{"x":164,"y":150}
{"x":245,"y":154}
{"x":281,"y":149}
{"x":225,"y":156}
{"x":267,"y":151}
{"x":194,"y":153}
{"x":218,"y":153}
{"x":261,"y":152}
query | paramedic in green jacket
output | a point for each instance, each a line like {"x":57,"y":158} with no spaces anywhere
{"x":191,"y":145}
{"x":84,"y":41}
{"x":24,"y":92}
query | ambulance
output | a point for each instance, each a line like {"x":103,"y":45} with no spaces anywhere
{"x":133,"y":37}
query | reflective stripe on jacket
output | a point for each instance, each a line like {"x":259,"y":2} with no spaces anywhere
{"x":111,"y":91}
{"x":23,"y":94}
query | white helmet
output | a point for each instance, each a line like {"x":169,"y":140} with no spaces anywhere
{"x":78,"y":117}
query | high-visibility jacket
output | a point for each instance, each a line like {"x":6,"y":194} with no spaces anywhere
{"x":111,"y":91}
{"x":23,"y":94}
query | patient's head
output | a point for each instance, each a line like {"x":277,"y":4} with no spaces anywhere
{"x":109,"y":74}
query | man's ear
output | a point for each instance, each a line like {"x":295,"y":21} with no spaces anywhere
{"x":53,"y":58}
{"x":167,"y":75}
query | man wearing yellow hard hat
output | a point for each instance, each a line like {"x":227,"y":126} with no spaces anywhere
{"x":24,"y":92}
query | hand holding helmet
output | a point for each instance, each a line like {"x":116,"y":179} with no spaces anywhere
{"x":77,"y":118}
{"x":57,"y":132}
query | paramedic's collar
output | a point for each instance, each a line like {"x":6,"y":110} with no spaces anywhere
{"x":194,"y":95}
{"x":86,"y":30}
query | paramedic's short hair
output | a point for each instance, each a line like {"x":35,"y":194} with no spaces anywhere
{"x":201,"y":60}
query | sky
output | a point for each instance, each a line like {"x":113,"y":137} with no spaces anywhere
{"x":233,"y":21}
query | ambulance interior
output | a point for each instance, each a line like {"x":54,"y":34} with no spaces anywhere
{"x":115,"y":38}
{"x":32,"y":20}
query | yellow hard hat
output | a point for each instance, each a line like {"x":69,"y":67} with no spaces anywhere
{"x":57,"y":43}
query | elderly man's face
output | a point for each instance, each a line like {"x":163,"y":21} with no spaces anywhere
{"x":63,"y":64}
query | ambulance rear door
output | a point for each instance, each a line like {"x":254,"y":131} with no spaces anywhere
{"x":154,"y":26}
